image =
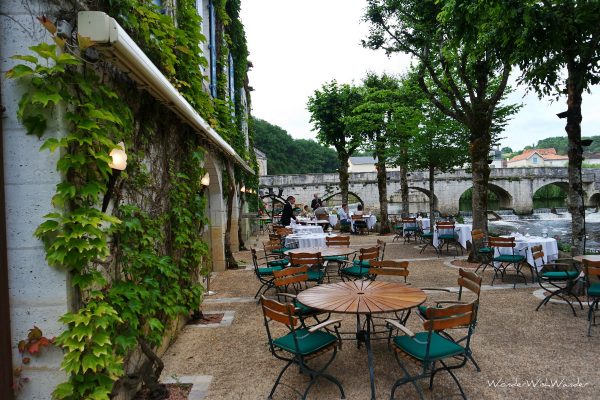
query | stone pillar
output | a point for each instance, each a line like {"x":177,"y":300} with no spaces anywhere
{"x":217,"y":212}
{"x":235,"y":211}
{"x":38,"y":294}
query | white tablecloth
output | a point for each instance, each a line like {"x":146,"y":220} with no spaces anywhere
{"x":371,"y":220}
{"x":306,"y":229}
{"x":424,"y":223}
{"x":463,"y":232}
{"x":549,"y":247}
{"x":302,"y":241}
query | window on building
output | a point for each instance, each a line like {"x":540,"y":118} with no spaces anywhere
{"x":231,"y":80}
{"x":534,"y":160}
{"x":212,"y":47}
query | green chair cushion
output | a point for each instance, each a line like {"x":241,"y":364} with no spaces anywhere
{"x":417,"y":347}
{"x":335,"y":258}
{"x":422,"y":309}
{"x":302,"y":309}
{"x":364,"y":263}
{"x":486,"y":250}
{"x":308,"y":343}
{"x":315,"y":276}
{"x":509,"y":258}
{"x":278,"y":263}
{"x":594,"y":290}
{"x":398,"y":227}
{"x":356,"y":270}
{"x":446,"y":237}
{"x":560,"y":275}
{"x":427,"y":235}
{"x":410,"y":229}
{"x":281,"y":250}
{"x":268,"y":271}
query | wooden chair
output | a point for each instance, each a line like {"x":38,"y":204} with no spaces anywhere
{"x":592,"y":270}
{"x":429,"y":348}
{"x":274,"y":248}
{"x":359,"y":267}
{"x":503,"y":261}
{"x":264,"y":271}
{"x":446,"y":235}
{"x":483,"y":251}
{"x":336,"y":241}
{"x":466,"y":280}
{"x":314,"y":263}
{"x":388,"y":268}
{"x":427,"y":237}
{"x":557,"y":279}
{"x":381,"y":245}
{"x":300,"y":345}
{"x":360,"y":225}
{"x":409,"y":229}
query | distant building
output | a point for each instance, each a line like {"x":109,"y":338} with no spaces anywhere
{"x":261,"y":160}
{"x":538,"y":158}
{"x":365,"y":164}
{"x":495,"y":155}
{"x":591,"y":158}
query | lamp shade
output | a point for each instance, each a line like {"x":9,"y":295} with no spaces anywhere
{"x":205,"y":181}
{"x":243,"y":189}
{"x":119,"y":157}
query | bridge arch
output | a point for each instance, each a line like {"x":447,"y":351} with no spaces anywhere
{"x":350,"y":193}
{"x":504,"y":198}
{"x":594,"y":200}
{"x":544,"y":192}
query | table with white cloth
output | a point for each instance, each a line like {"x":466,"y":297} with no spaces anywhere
{"x":463,"y":233}
{"x":549,"y":247}
{"x":306,"y":229}
{"x":424,"y":223}
{"x":371,"y":220}
{"x":333,"y":220}
{"x":306,"y":240}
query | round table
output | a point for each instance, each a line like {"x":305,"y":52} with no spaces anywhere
{"x":580,"y":259}
{"x":325,"y":251}
{"x":363,"y":297}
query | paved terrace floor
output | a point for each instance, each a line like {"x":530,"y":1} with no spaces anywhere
{"x":513,"y":343}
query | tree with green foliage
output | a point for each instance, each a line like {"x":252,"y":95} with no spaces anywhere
{"x":291,"y":156}
{"x":330,"y":108}
{"x":464,"y":81}
{"x":557,"y":48}
{"x":561,"y":144}
{"x":506,"y":150}
{"x":374,"y":118}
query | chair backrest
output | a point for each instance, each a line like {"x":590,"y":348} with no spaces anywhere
{"x":357,"y":217}
{"x":502,"y":242}
{"x":455,"y":316}
{"x":409,"y":222}
{"x":290,"y":276}
{"x":591,"y":268}
{"x":469,"y":280}
{"x":445,"y":228}
{"x":276,"y":311}
{"x":389,"y":267}
{"x":381,"y":245}
{"x":337,"y":241}
{"x":306,"y":259}
{"x":368,"y":253}
{"x":477,"y":234}
{"x":283,"y":231}
{"x":270,"y":246}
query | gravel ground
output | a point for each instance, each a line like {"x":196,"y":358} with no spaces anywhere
{"x":513,"y":344}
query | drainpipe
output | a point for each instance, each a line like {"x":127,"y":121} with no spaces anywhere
{"x":6,"y":378}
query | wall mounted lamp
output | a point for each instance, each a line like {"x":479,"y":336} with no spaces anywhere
{"x":118,"y":163}
{"x":205,"y":181}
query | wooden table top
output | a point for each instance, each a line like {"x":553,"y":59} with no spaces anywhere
{"x":325,"y":251}
{"x":362,"y":297}
{"x":588,"y":257}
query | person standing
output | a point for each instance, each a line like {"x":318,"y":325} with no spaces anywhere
{"x":344,"y":216}
{"x":316,"y":202}
{"x":288,"y":211}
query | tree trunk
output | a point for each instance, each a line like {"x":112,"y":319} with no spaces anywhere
{"x":240,"y":233}
{"x":384,"y":226}
{"x":480,"y":148}
{"x":404,"y":185}
{"x":575,"y":194}
{"x":229,"y":259}
{"x":431,"y":198}
{"x":343,"y":172}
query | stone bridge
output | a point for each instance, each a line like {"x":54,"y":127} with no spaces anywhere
{"x":514,"y":187}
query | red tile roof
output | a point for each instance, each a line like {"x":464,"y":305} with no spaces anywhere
{"x":546,"y":154}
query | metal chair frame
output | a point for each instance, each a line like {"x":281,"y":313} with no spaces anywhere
{"x":443,"y":226}
{"x":499,"y":242}
{"x":274,"y":311}
{"x":266,"y":281}
{"x":364,"y":254}
{"x":591,"y":268}
{"x":550,"y":284}
{"x":479,"y":241}
{"x":438,"y":319}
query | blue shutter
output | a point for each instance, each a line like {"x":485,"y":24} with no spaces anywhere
{"x":212,"y":46}
{"x":231,"y":80}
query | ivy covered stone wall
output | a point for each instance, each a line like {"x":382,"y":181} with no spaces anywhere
{"x":108,"y":285}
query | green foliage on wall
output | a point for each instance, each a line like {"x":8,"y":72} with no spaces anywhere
{"x":157,"y":277}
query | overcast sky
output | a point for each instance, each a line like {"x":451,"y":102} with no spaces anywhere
{"x":297,"y":46}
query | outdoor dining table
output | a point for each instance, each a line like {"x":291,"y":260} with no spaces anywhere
{"x":303,"y":240}
{"x":306,"y":229}
{"x":371,"y":220}
{"x":549,"y":247}
{"x":325,"y":251}
{"x":363,"y":298}
{"x":463,"y":232}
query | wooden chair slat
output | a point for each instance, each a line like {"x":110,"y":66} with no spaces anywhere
{"x":448,"y":323}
